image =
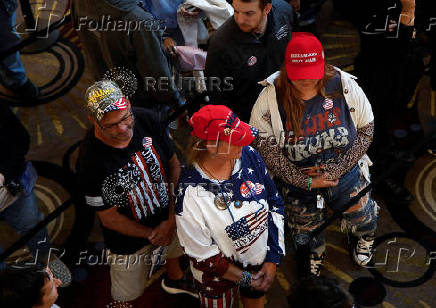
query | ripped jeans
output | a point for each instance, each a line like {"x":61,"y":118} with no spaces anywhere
{"x":304,"y":216}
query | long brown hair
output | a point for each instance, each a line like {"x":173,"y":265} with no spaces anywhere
{"x":293,"y":105}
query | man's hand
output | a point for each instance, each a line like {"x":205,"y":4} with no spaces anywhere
{"x":408,"y":5}
{"x":407,"y":16}
{"x":266,"y":276}
{"x":163,"y":233}
{"x":169,"y":45}
{"x":295,"y":5}
{"x":188,"y":12}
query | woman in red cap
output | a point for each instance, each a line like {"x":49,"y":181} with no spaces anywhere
{"x":321,"y":125}
{"x":229,"y":213}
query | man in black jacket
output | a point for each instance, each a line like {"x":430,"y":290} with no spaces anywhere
{"x":246,"y":49}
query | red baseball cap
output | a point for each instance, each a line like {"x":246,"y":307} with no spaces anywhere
{"x":218,"y":122}
{"x":304,"y":57}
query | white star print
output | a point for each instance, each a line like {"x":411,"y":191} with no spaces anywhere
{"x":240,"y":174}
{"x":251,"y":149}
{"x":250,"y":171}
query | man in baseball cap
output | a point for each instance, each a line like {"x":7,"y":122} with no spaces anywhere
{"x":110,"y":112}
{"x":126,"y":167}
{"x":104,"y":96}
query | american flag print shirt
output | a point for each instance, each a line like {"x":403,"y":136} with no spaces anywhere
{"x":255,"y":233}
{"x":139,"y":186}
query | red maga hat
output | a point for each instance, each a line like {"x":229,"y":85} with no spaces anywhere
{"x":218,"y":122}
{"x":304,"y":57}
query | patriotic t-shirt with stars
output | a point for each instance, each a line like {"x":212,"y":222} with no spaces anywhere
{"x":248,"y":232}
{"x":133,"y":179}
{"x":327,"y":129}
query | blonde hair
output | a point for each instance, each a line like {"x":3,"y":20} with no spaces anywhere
{"x":197,"y":151}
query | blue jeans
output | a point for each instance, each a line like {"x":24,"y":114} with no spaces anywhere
{"x":23,"y":215}
{"x":304,"y":216}
{"x":12,"y":73}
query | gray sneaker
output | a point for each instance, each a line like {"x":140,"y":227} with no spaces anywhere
{"x":60,"y":271}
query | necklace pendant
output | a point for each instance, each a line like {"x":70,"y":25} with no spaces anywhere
{"x":238,"y":204}
{"x":220,"y":202}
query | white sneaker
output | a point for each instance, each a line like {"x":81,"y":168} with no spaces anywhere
{"x":363,"y":251}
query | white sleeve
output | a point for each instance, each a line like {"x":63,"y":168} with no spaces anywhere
{"x":194,"y":235}
{"x":356,"y":98}
{"x":257,"y":114}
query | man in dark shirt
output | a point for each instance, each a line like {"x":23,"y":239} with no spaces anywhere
{"x":246,"y":49}
{"x":126,"y":167}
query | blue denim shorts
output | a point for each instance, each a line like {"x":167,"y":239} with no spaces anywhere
{"x":304,"y":216}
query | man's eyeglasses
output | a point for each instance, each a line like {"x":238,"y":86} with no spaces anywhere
{"x":127,"y":119}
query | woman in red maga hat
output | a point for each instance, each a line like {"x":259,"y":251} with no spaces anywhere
{"x":229,"y":213}
{"x":322,"y":125}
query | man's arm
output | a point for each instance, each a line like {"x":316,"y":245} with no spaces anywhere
{"x":113,"y":220}
{"x":163,"y":233}
{"x":153,"y":66}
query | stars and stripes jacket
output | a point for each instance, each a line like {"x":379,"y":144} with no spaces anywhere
{"x":248,"y":232}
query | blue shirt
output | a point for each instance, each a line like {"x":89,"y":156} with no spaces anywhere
{"x":327,"y":129}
